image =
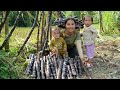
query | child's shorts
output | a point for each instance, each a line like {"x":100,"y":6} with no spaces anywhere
{"x":90,"y":50}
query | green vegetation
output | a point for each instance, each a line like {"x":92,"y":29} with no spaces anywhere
{"x":12,"y":66}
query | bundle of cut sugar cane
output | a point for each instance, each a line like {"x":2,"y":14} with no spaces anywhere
{"x":51,"y":67}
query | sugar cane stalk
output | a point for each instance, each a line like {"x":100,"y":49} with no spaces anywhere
{"x":59,"y":72}
{"x":72,"y":67}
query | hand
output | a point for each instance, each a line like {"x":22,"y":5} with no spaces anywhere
{"x":65,"y":50}
{"x":56,"y":55}
{"x":83,"y":61}
{"x":55,"y":51}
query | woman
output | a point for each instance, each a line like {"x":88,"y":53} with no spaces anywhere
{"x":72,"y":38}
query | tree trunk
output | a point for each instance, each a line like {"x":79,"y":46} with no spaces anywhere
{"x":38,"y":34}
{"x":4,"y":19}
{"x":42,"y":30}
{"x":48,"y":23}
{"x":101,"y":24}
{"x":6,"y":32}
{"x":12,"y":30}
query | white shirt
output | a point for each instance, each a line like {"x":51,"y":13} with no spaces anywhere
{"x":89,"y":35}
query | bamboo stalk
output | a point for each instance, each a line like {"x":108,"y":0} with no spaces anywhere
{"x":34,"y":24}
{"x":42,"y":30}
{"x":38,"y":34}
{"x":12,"y":30}
{"x":3,"y":20}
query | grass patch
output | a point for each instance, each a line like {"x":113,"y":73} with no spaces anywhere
{"x":8,"y":68}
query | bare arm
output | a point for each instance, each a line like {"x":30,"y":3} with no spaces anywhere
{"x":79,"y":48}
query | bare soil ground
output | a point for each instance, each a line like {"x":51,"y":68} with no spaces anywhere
{"x":107,"y":59}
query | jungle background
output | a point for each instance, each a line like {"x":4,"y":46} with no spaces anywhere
{"x":107,"y":45}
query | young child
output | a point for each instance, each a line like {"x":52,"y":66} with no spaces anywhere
{"x":89,"y":35}
{"x":57,"y":44}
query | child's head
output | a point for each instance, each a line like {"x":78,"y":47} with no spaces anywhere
{"x":56,"y":32}
{"x":88,"y":20}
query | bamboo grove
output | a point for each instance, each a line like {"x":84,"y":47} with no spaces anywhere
{"x":43,"y":31}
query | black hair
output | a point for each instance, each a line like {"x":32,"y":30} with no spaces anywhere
{"x":70,"y":19}
{"x":62,"y":22}
{"x":88,"y":16}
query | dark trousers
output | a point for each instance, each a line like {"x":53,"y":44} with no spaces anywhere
{"x":72,"y":52}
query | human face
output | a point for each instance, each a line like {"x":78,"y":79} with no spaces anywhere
{"x":56,"y":34}
{"x":87,"y":21}
{"x":70,"y":26}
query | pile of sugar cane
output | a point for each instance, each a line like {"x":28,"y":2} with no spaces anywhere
{"x":50,"y":67}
